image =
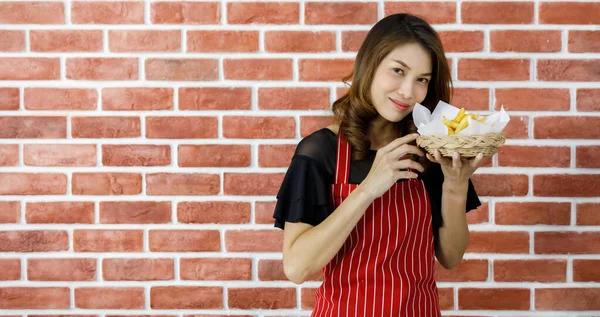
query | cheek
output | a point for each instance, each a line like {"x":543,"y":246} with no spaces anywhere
{"x":421,"y":93}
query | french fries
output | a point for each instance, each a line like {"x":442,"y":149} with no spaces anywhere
{"x":461,"y":121}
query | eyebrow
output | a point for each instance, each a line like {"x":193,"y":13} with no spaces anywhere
{"x":404,"y":64}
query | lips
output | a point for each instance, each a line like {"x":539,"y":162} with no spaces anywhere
{"x":400,"y":105}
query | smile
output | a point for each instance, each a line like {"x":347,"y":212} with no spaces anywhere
{"x":400,"y":105}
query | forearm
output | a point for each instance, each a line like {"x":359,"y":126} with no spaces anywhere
{"x":454,"y":234}
{"x":316,"y":247}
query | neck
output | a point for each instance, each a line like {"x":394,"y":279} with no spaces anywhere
{"x":381,"y":132}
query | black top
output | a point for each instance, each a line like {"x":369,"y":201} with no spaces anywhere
{"x":304,"y":193}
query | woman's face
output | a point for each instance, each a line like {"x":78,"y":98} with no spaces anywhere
{"x":401,"y":81}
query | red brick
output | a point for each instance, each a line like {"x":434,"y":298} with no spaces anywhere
{"x":263,"y":212}
{"x":215,"y":98}
{"x":586,"y":271}
{"x":471,"y":98}
{"x":324,"y":69}
{"x":32,"y":68}
{"x":501,"y":184}
{"x":66,"y":40}
{"x":462,"y":41}
{"x":499,"y":242}
{"x":588,"y":215}
{"x":107,"y":12}
{"x":138,"y":269}
{"x":37,"y":127}
{"x":60,"y":212}
{"x":532,"y":99}
{"x":299,"y":98}
{"x":257,"y":69}
{"x":180,"y":127}
{"x":109,"y":297}
{"x":532,"y":213}
{"x":33,"y":184}
{"x":137,"y":99}
{"x":569,"y":13}
{"x":310,"y":124}
{"x":45,"y":241}
{"x":59,"y":154}
{"x":584,"y":41}
{"x":497,"y":12}
{"x":544,"y":271}
{"x":517,"y":128}
{"x":308,"y":298}
{"x":567,"y":242}
{"x":263,"y":13}
{"x":185,"y":12}
{"x":182,"y":69}
{"x":340,"y":13}
{"x":446,"y":296}
{"x":60,"y":99}
{"x":534,"y":156}
{"x":184,"y":241}
{"x":135,"y":212}
{"x":61,"y":269}
{"x":214,"y":155}
{"x":432,"y":12}
{"x":144,"y":40}
{"x":213,"y":212}
{"x":107,"y":240}
{"x":544,"y":41}
{"x":254,"y":240}
{"x":9,"y":154}
{"x":275,"y":155}
{"x":222,"y":41}
{"x":563,"y":299}
{"x":271,"y":270}
{"x":587,"y":99}
{"x":217,"y":269}
{"x":238,"y":127}
{"x":10,"y":269}
{"x":568,"y":70}
{"x":9,"y":98}
{"x":186,"y":297}
{"x":580,"y":185}
{"x":107,"y":184}
{"x":352,"y":40}
{"x":493,"y":69}
{"x":262,"y":298}
{"x":493,"y":298}
{"x":34,"y":298}
{"x":479,"y":215}
{"x":182,"y":184}
{"x":10,"y":212}
{"x":466,"y":271}
{"x":136,"y":155}
{"x":13,"y":41}
{"x":252,"y":184}
{"x":102,"y":68}
{"x":28,"y":12}
{"x":299,"y":41}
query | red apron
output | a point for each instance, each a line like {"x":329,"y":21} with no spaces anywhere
{"x":385,"y":267}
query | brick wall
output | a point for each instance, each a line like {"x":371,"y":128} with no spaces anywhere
{"x":142,"y":144}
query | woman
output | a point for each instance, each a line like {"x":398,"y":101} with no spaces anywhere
{"x":359,"y":200}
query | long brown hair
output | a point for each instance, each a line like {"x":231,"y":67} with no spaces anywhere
{"x":354,"y":110}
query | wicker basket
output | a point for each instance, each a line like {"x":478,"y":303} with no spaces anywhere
{"x":465,"y":145}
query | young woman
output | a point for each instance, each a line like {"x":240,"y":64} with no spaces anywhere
{"x":360,"y":201}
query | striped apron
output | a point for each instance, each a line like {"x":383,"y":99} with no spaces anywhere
{"x":385,"y":267}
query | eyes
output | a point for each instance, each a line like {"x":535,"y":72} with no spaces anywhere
{"x":400,"y":72}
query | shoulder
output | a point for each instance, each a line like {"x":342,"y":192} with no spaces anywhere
{"x":314,"y":144}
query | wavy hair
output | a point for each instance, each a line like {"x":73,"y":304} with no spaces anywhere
{"x":354,"y":110}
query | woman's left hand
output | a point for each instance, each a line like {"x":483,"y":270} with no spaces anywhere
{"x":457,"y":170}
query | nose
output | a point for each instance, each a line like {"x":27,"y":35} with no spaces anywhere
{"x":406,"y":90}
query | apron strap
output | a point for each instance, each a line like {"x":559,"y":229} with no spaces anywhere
{"x":342,"y":166}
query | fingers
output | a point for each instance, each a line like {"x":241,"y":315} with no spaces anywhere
{"x":476,"y":163}
{"x":403,"y":174}
{"x":398,"y":142}
{"x":405,"y":149}
{"x":456,"y":162}
{"x":405,"y":164}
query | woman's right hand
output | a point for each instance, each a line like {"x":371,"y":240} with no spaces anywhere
{"x":390,"y":164}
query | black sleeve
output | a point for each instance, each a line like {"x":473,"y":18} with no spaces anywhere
{"x":304,"y":192}
{"x":434,"y":179}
